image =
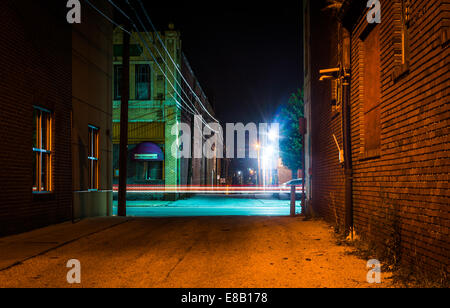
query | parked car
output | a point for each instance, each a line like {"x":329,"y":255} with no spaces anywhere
{"x":285,"y":190}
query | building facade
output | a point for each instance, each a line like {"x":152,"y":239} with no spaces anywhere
{"x":164,"y":92}
{"x":92,"y":113}
{"x":47,"y":85}
{"x":378,"y":146}
{"x":198,"y":171}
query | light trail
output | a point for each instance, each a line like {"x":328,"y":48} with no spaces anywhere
{"x":207,"y":189}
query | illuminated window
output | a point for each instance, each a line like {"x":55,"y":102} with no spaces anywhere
{"x":406,"y":17}
{"x":117,"y":82}
{"x":42,"y":150}
{"x":93,"y":158}
{"x":143,"y":79}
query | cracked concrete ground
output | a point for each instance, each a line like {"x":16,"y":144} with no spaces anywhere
{"x":208,"y":252}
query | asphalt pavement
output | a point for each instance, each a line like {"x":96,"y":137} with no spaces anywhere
{"x":188,"y":252}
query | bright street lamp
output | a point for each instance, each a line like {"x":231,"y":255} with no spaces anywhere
{"x":273,"y":134}
{"x":258,"y":149}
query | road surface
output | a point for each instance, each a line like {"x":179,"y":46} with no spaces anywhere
{"x":205,"y":252}
{"x":212,"y":205}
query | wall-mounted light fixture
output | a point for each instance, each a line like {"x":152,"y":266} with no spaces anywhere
{"x":330,"y":73}
{"x":341,"y":152}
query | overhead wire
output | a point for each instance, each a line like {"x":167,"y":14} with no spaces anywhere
{"x":189,"y":108}
{"x":170,"y":57}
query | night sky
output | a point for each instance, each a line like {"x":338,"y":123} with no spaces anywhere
{"x":246,"y":54}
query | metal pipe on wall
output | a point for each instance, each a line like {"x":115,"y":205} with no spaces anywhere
{"x":346,"y":122}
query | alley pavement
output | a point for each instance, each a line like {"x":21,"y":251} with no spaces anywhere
{"x":196,"y":252}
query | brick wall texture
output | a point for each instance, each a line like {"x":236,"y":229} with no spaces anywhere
{"x":404,"y":187}
{"x":35,"y":61}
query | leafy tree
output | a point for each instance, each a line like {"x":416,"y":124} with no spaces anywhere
{"x":291,"y":140}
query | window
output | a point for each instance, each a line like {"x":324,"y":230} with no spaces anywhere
{"x":153,"y":171}
{"x":143,"y":79}
{"x":117,"y":82}
{"x":372,"y":93}
{"x":93,"y":158}
{"x":42,"y":150}
{"x":402,"y":52}
{"x":406,"y":17}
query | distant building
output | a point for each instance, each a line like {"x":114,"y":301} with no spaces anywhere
{"x":56,"y":115}
{"x":159,"y":99}
{"x":378,"y":143}
{"x":284,"y":174}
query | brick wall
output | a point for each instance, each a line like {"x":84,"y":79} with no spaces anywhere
{"x":327,"y":181}
{"x":35,"y":57}
{"x":402,"y":189}
{"x":201,"y":167}
{"x":407,"y":184}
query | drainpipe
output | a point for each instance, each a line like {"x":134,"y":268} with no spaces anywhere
{"x":346,"y":123}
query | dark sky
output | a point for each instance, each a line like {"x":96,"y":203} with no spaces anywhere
{"x":246,"y":54}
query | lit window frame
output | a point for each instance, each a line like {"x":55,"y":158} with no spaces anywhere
{"x":143,"y":76}
{"x":405,"y":21}
{"x":118,"y":75}
{"x":43,"y":154}
{"x":93,"y":158}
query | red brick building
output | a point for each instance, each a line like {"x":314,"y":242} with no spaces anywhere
{"x":36,"y":72}
{"x":55,"y":125}
{"x":384,"y":103}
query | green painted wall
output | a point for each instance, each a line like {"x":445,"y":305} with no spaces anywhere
{"x":162,"y":106}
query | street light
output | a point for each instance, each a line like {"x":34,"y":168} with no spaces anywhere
{"x":269,"y":151}
{"x":267,"y":160}
{"x":258,"y":150}
{"x":273,"y":134}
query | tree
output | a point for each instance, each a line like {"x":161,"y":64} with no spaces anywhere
{"x":291,"y":140}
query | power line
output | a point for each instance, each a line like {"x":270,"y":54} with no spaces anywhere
{"x":158,"y":65}
{"x":119,"y":9}
{"x":154,"y":59}
{"x":176,"y":101}
{"x":166,"y":64}
{"x":175,"y":65}
{"x":104,"y":15}
{"x":159,"y":53}
{"x":162,"y":71}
